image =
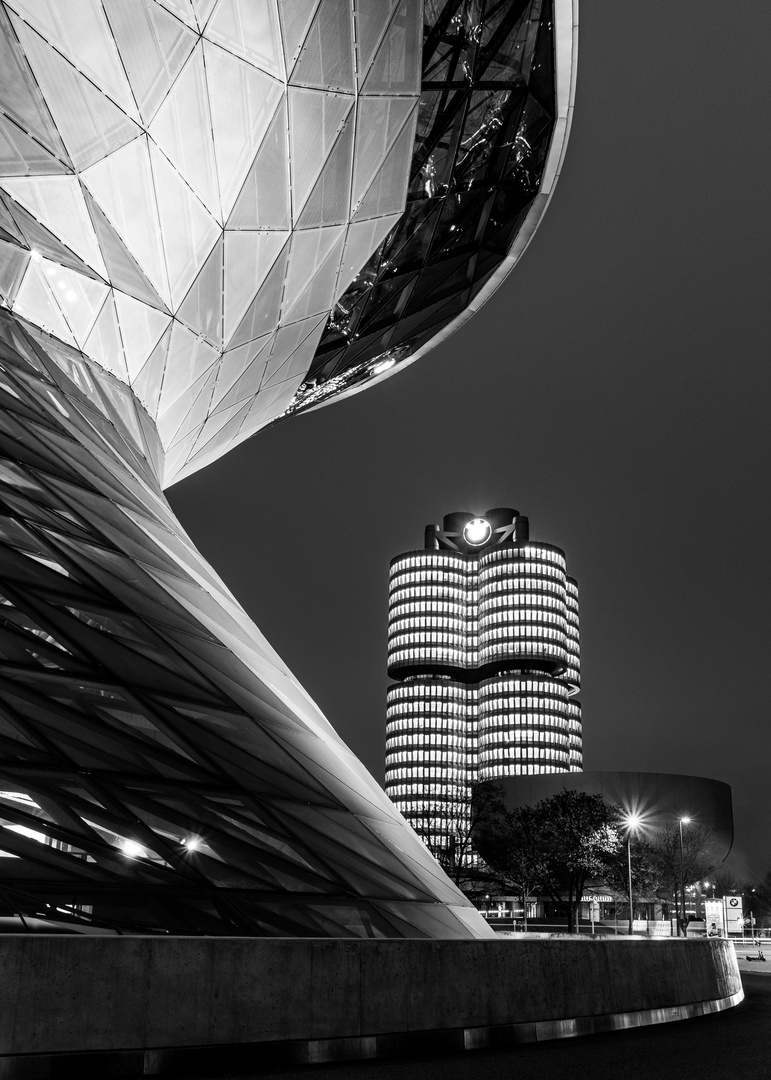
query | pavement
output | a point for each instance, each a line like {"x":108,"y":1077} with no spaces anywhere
{"x":731,"y":1044}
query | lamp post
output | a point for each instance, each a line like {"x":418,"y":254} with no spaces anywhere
{"x":631,"y":823}
{"x":682,"y":821}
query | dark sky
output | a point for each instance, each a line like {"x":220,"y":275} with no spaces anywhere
{"x":615,"y":389}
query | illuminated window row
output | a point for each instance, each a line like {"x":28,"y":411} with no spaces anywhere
{"x":521,"y":630}
{"x":429,"y":558}
{"x":515,"y":569}
{"x":531,"y":551}
{"x":523,"y":753}
{"x":431,"y":687}
{"x":430,"y":622}
{"x":431,"y":774}
{"x":511,"y":616}
{"x":534,"y":599}
{"x":448,"y":657}
{"x":418,"y":756}
{"x":429,"y":592}
{"x":427,"y":738}
{"x":426,"y":577}
{"x":516,"y":702}
{"x":542,"y":684}
{"x":421,"y":637}
{"x":520,"y":737}
{"x":514,"y":588}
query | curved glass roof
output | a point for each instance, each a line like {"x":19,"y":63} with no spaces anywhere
{"x":191,"y":191}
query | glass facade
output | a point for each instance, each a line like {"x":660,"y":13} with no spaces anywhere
{"x":191,"y":193}
{"x":242,"y":209}
{"x":483,"y":642}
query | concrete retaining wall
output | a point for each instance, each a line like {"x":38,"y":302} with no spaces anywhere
{"x":135,"y":1003}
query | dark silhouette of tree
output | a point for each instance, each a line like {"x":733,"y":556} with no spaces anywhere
{"x":646,"y":872}
{"x":578,"y":834}
{"x":512,"y":842}
{"x":554,"y":847}
{"x":446,"y":825}
{"x":699,"y":859}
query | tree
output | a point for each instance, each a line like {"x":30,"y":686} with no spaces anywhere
{"x":646,"y":872}
{"x":698,"y":859}
{"x":579,"y":833}
{"x":445,"y":823}
{"x":512,"y":843}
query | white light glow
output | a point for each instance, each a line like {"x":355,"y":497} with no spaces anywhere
{"x":133,"y":849}
{"x":477,"y":532}
{"x":383,"y":366}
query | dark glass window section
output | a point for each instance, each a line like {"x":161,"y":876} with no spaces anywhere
{"x":485,"y":123}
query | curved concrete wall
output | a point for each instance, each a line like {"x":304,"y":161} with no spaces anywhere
{"x":142,"y":1003}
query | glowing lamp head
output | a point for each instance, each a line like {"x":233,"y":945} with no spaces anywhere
{"x":477,"y":532}
{"x":632,"y":821}
{"x":685,"y":820}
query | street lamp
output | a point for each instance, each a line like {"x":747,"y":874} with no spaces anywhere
{"x":631,"y":823}
{"x":682,"y":821}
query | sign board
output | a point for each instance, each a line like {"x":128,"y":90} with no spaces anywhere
{"x":590,"y":898}
{"x":734,"y":914}
{"x":714,"y":918}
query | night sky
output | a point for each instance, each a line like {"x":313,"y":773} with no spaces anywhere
{"x":615,"y":389}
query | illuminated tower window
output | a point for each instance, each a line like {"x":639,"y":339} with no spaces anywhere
{"x":483,"y":646}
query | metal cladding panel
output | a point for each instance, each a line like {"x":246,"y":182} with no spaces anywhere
{"x":162,"y":771}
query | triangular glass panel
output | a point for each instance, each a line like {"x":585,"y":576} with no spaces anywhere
{"x":262,"y":314}
{"x":326,"y":58}
{"x":57,"y":202}
{"x":188,"y":231}
{"x":203,"y":9}
{"x":184,"y":10}
{"x":79,"y":297}
{"x":371,"y":21}
{"x":104,"y":343}
{"x":251,"y":31}
{"x":182,"y":128}
{"x":309,"y":250}
{"x":153,"y":45}
{"x":90,"y":124}
{"x":217,"y":432}
{"x":22,"y":100}
{"x":248,"y":259}
{"x":315,"y":121}
{"x":319,"y":294}
{"x":202,"y":307}
{"x":243,"y":99}
{"x":8,"y":227}
{"x":296,"y":342}
{"x":21,"y":155}
{"x":189,"y":412}
{"x":141,"y":327}
{"x":240,"y":374}
{"x":147,"y":385}
{"x":83,"y":36}
{"x":387,"y":193}
{"x":122,"y":270}
{"x":188,"y":357}
{"x":329,"y":200}
{"x":363,"y":239}
{"x":122,"y":184}
{"x":35,"y":302}
{"x":13,"y":262}
{"x":296,"y":17}
{"x":263,"y":202}
{"x":396,"y":67}
{"x":378,"y":122}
